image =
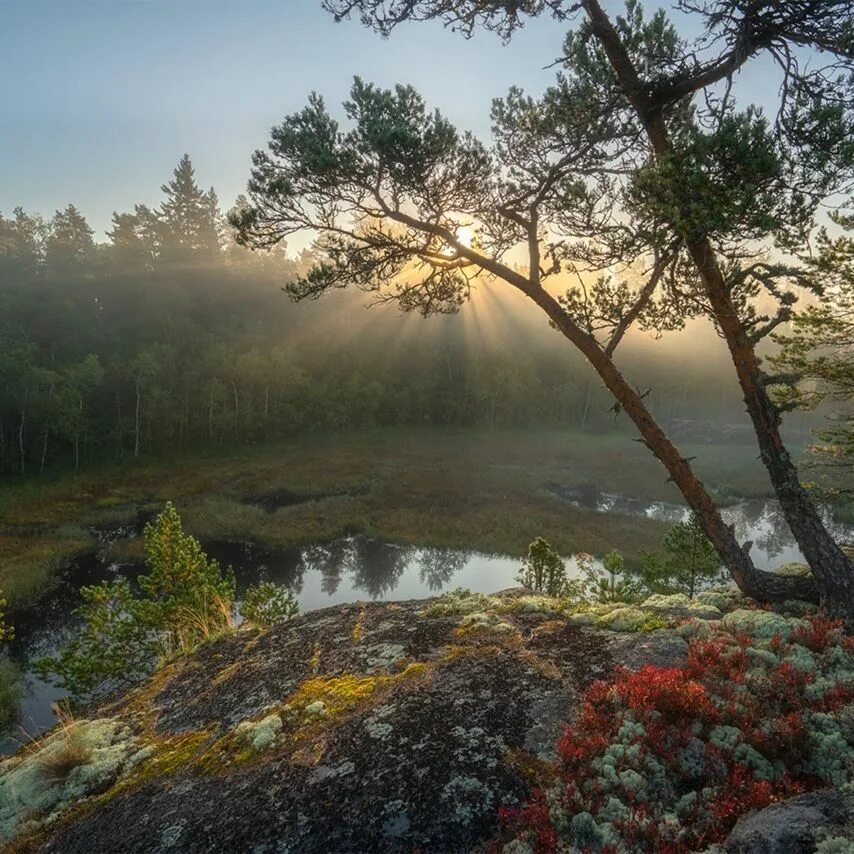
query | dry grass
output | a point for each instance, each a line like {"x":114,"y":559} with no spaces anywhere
{"x":68,"y":750}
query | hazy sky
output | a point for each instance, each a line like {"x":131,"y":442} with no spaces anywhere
{"x":100,"y":98}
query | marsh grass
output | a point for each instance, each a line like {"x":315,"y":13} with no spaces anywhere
{"x":471,"y":489}
{"x":10,"y":690}
{"x":29,"y":563}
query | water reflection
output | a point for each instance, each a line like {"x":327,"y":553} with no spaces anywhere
{"x":347,"y":570}
{"x":362,"y":567}
{"x":757,"y":521}
{"x":319,"y":575}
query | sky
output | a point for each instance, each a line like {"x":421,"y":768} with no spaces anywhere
{"x":100,"y":98}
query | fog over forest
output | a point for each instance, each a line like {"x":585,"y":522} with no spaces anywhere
{"x":169,"y":335}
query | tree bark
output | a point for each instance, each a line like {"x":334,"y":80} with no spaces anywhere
{"x":833,"y":571}
{"x":136,"y":416}
{"x":21,"y":437}
{"x":764,"y":586}
{"x":44,"y":449}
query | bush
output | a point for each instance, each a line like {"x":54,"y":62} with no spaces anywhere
{"x":543,"y":571}
{"x":689,"y":562}
{"x":115,"y":646}
{"x":608,"y":584}
{"x":183,"y":600}
{"x":267,"y":604}
{"x":667,"y":759}
{"x":186,"y":597}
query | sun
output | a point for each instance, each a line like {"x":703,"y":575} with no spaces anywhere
{"x":465,"y":235}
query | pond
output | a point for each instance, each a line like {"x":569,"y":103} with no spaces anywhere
{"x":758,"y":521}
{"x":345,"y":570}
{"x":319,"y":575}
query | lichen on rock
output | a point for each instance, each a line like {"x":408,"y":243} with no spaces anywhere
{"x":260,"y":734}
{"x":761,"y":624}
{"x":77,"y":759}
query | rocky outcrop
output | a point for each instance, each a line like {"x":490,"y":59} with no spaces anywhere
{"x":366,"y":727}
{"x":822,"y":820}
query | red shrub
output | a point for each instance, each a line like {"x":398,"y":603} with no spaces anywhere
{"x":818,"y":634}
{"x":723,"y":735}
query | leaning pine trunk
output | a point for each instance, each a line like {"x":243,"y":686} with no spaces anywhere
{"x":832,"y":569}
{"x":764,"y":586}
{"x":833,"y":572}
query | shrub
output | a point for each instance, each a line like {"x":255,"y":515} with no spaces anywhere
{"x":667,"y":759}
{"x":267,"y":604}
{"x":183,"y":600}
{"x":186,"y":597}
{"x":608,"y":584}
{"x":114,"y":647}
{"x":689,"y":561}
{"x":543,"y":571}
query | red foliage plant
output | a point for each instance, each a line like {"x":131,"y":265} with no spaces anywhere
{"x":667,"y":759}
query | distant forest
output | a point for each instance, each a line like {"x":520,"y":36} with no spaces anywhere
{"x":171,"y":336}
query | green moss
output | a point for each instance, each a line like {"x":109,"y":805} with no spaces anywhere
{"x":460,"y":601}
{"x":489,"y":622}
{"x":796,"y":608}
{"x":724,"y":597}
{"x":793,"y":568}
{"x":619,"y":617}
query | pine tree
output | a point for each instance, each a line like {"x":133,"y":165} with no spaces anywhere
{"x":70,"y":241}
{"x":189,"y":217}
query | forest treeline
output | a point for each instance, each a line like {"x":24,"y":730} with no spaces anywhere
{"x":170,"y":335}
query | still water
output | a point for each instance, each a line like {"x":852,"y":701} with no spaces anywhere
{"x":347,"y":570}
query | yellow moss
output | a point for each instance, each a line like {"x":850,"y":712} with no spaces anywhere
{"x":416,"y":668}
{"x":340,"y":693}
{"x":358,"y":626}
{"x":314,"y":661}
{"x":453,"y":651}
{"x":173,"y":754}
{"x":225,"y":674}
